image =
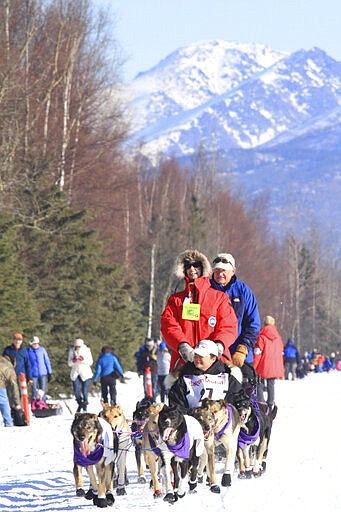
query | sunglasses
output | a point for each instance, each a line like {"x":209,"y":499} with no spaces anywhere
{"x":222,"y":260}
{"x":195,"y":264}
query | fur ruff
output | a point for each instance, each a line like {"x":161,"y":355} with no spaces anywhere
{"x":192,"y":255}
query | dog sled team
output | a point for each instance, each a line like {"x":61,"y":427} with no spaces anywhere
{"x":215,"y":404}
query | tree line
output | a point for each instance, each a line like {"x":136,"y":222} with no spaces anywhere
{"x":89,"y":235}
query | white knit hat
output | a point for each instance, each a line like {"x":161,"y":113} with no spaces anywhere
{"x":34,"y":340}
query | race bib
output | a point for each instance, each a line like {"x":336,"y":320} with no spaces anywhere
{"x":191,"y":311}
{"x":214,"y":387}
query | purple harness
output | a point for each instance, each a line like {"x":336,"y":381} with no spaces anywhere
{"x":153,"y":446}
{"x":244,"y":439}
{"x":88,"y":460}
{"x":220,"y":433}
{"x":182,"y":448}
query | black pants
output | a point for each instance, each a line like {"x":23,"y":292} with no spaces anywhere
{"x":162,"y":389}
{"x":108,"y":386}
{"x":269,"y":386}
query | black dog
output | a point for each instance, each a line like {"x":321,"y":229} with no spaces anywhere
{"x":140,"y":417}
{"x":254,"y":437}
{"x":184,"y":438}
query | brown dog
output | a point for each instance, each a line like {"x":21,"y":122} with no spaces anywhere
{"x":224,"y":432}
{"x":93,"y":447}
{"x":115,"y":417}
{"x":156,"y":454}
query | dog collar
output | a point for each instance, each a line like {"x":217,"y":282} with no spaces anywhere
{"x":88,"y":460}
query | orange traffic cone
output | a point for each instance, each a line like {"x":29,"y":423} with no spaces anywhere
{"x":149,"y":382}
{"x":24,"y":396}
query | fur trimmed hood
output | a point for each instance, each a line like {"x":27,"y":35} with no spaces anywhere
{"x":192,"y":255}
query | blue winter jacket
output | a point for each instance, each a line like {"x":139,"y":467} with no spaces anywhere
{"x":291,"y":353}
{"x":106,"y":364}
{"x":22,"y":362}
{"x":40,"y":361}
{"x":246,"y":309}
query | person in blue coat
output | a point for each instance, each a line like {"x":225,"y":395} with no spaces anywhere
{"x":291,"y":360}
{"x":108,"y":369}
{"x":40,"y":366}
{"x":19,"y":355}
{"x":244,"y":304}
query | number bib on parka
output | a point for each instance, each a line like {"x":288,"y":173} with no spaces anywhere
{"x":214,"y":387}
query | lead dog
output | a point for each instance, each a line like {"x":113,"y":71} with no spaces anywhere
{"x":224,"y":431}
{"x":93,"y":448}
{"x":184,"y":438}
{"x":115,"y":417}
{"x":253,"y":443}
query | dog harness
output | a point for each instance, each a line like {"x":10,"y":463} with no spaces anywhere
{"x":153,"y":446}
{"x":220,"y":433}
{"x":88,"y":460}
{"x":244,"y":439}
{"x":182,"y":448}
{"x":193,"y":433}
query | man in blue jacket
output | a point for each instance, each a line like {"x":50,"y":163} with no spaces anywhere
{"x":19,"y":355}
{"x":244,"y":304}
{"x":108,"y":369}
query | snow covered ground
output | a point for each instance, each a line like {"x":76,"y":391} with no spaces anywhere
{"x":302,"y":468}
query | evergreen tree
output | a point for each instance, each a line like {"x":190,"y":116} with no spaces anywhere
{"x":78,"y":295}
{"x":18,"y":309}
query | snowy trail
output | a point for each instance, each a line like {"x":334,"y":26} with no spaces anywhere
{"x":36,"y":461}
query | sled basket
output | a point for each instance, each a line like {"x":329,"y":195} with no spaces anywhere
{"x":45,"y":413}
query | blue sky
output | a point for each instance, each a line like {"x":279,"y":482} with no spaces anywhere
{"x":148,"y":30}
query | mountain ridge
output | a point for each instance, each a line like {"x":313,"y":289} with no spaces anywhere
{"x":266,"y":113}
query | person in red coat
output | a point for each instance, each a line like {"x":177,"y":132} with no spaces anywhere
{"x":198,"y":312}
{"x":268,"y":359}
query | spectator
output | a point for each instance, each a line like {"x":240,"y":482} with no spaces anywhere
{"x":197,"y":312}
{"x":18,"y":353}
{"x":40,"y":366}
{"x":291,"y":360}
{"x":108,"y":369}
{"x":268,"y":359}
{"x":39,"y":403}
{"x":80,"y":361}
{"x":9,"y":391}
{"x":244,"y":304}
{"x":146,"y":357}
{"x":205,"y":377}
{"x":163,"y":364}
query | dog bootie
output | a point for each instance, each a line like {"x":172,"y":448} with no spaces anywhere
{"x":110,"y":498}
{"x":226,"y":480}
{"x":80,"y":492}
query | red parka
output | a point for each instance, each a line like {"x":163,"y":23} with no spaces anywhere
{"x":217,"y":321}
{"x":268,"y":353}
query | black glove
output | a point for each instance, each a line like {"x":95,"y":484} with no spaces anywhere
{"x":49,"y":377}
{"x":186,"y":351}
{"x":122,"y":379}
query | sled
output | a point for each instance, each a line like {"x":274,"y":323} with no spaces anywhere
{"x":45,"y":413}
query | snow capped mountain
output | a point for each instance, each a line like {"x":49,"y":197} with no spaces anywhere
{"x":273,"y":118}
